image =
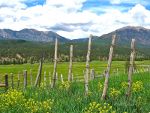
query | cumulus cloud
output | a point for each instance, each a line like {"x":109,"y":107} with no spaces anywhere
{"x":67,"y":19}
{"x":67,"y":5}
{"x":140,"y":14}
{"x":143,"y":2}
{"x":15,"y":4}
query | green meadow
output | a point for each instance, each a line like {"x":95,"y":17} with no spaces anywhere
{"x":62,"y":67}
{"x":69,"y":97}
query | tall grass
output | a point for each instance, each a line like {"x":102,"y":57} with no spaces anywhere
{"x":69,"y":98}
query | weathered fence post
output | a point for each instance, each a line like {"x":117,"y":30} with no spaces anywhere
{"x":92,"y":74}
{"x":12,"y":80}
{"x":70,"y":65}
{"x":18,"y":83}
{"x":108,"y":68}
{"x":25,"y":78}
{"x":86,"y":75}
{"x":61,"y":77}
{"x":38,"y":77}
{"x":6,"y":81}
{"x":55,"y":64}
{"x":132,"y":57}
{"x":117,"y":71}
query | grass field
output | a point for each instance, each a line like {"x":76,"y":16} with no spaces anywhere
{"x":69,"y":97}
{"x":62,"y":68}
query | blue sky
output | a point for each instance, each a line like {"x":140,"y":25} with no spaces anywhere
{"x":31,"y":3}
{"x":74,"y":18}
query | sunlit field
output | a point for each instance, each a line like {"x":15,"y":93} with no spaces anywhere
{"x":70,"y":98}
{"x":62,"y":68}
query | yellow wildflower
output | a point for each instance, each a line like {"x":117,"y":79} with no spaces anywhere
{"x":114,"y":93}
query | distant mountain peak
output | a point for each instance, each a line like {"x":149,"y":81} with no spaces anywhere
{"x":138,"y":28}
{"x":31,"y":35}
{"x":27,"y":29}
{"x":125,"y":34}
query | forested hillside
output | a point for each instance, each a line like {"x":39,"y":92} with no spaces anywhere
{"x":28,"y":45}
{"x":20,"y":51}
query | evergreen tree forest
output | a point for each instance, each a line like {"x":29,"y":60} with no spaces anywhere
{"x":20,"y":51}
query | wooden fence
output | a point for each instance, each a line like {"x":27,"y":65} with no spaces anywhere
{"x":89,"y":74}
{"x":6,"y":82}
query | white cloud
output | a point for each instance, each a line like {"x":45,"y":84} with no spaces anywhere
{"x":140,"y":14}
{"x":14,"y":4}
{"x":65,"y":18}
{"x":143,"y":2}
{"x":72,"y":5}
{"x":74,"y":34}
{"x":115,"y":1}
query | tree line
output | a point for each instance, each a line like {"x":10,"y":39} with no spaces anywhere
{"x":30,"y":52}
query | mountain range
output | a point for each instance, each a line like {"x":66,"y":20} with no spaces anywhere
{"x":31,"y":35}
{"x":32,"y":43}
{"x":124,"y":36}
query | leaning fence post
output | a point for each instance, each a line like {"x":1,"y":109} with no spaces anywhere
{"x":55,"y":64}
{"x":12,"y":80}
{"x":38,"y":77}
{"x":108,"y":68}
{"x":70,"y":65}
{"x":132,"y":57}
{"x":25,"y":78}
{"x":86,"y":76}
{"x":6,"y":81}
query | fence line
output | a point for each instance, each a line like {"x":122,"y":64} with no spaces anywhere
{"x":88,"y":74}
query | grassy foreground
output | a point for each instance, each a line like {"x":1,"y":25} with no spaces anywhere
{"x":69,"y":98}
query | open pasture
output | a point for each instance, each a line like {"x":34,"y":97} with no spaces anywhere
{"x":62,"y":68}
